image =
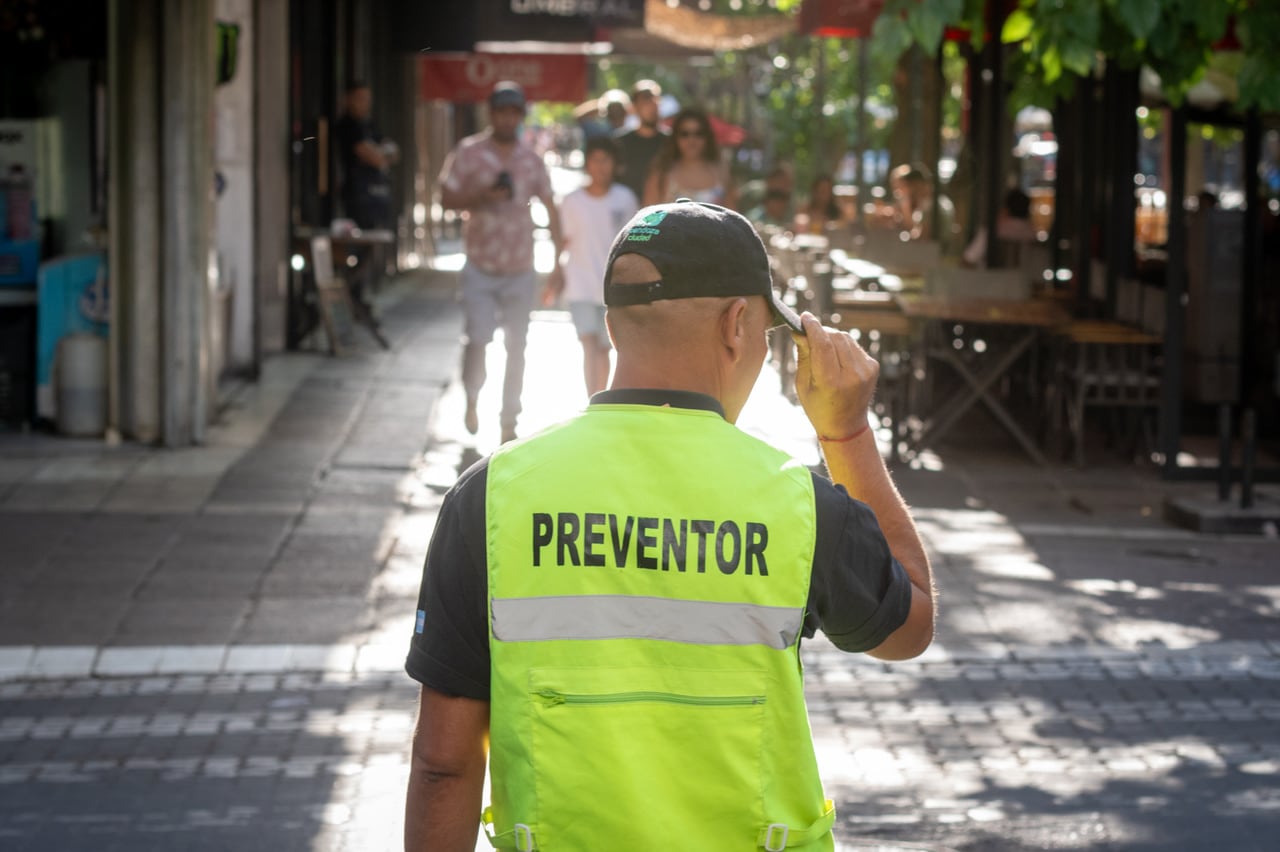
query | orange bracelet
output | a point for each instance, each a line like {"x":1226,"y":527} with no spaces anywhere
{"x":846,"y":438}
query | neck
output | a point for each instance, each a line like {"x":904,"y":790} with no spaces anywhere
{"x":655,"y":374}
{"x":508,"y":142}
{"x":598,"y":189}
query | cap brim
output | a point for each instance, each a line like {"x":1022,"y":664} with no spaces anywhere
{"x":784,"y":314}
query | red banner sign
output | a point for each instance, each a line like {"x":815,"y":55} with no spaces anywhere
{"x":469,"y":77}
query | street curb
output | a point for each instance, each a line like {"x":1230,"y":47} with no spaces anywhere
{"x":29,"y":662}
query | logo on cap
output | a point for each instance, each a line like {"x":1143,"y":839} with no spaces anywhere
{"x":647,"y":228}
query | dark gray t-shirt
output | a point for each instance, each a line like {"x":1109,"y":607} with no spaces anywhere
{"x":635,"y":155}
{"x":858,"y":593}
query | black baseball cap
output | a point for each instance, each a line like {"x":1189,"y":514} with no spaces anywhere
{"x":699,"y":249}
{"x":506,"y":93}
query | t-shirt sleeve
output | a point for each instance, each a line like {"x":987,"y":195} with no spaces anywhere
{"x":859,"y":593}
{"x":569,"y":209}
{"x":453,"y":172}
{"x":449,"y":651}
{"x":628,"y":205}
{"x":541,"y":176}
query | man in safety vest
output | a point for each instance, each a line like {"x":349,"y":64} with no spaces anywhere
{"x":611,"y":610}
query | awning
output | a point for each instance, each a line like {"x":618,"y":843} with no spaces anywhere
{"x":857,"y":18}
{"x":839,"y":18}
{"x":706,"y":31}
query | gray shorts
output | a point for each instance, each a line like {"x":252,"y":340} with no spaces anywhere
{"x":493,"y":301}
{"x":588,"y":319}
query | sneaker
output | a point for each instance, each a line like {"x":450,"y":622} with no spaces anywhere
{"x":472,"y":420}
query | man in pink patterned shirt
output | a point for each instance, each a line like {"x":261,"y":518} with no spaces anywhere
{"x":492,"y":176}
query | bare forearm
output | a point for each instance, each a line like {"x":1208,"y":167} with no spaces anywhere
{"x":858,"y":467}
{"x":446,"y":774}
{"x":372,"y":155}
{"x":442,"y":812}
{"x":452,"y":199}
{"x":555,"y":226}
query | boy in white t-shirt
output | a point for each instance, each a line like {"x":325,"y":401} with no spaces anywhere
{"x":590,"y":218}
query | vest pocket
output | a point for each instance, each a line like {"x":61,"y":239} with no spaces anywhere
{"x":647,"y":759}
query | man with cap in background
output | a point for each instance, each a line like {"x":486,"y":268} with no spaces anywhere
{"x":603,"y":116}
{"x":639,"y":146}
{"x":492,"y":176}
{"x":614,"y":606}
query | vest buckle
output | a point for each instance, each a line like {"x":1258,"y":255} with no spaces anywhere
{"x":779,"y":845}
{"x":524,"y":837}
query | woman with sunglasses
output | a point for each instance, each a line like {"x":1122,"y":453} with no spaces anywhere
{"x":688,"y":165}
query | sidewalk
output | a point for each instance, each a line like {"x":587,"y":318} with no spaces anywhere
{"x":293,"y":539}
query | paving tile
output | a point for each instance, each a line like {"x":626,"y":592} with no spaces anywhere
{"x":179,"y":498}
{"x":75,"y":661}
{"x":324,"y":582}
{"x":112,"y":662}
{"x":192,"y":659}
{"x":15,"y":660}
{"x":192,"y":622}
{"x":209,"y":583}
{"x":75,"y":470}
{"x":57,"y":497}
{"x":334,"y":620}
{"x":268,"y":529}
{"x":59,"y":620}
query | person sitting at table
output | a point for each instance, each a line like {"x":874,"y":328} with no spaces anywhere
{"x":915,"y":209}
{"x":774,"y":210}
{"x":821,"y":209}
{"x":1014,"y":232}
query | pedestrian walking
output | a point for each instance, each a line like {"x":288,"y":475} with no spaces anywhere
{"x":611,"y":610}
{"x":492,"y":176}
{"x":638,"y":147}
{"x":590,"y":217}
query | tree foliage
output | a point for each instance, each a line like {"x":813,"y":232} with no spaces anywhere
{"x":1060,"y":41}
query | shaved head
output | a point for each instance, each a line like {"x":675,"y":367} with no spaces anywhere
{"x":713,"y":344}
{"x":663,"y":325}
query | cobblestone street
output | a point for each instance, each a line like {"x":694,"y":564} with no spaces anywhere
{"x":1069,"y":752}
{"x":202,"y":649}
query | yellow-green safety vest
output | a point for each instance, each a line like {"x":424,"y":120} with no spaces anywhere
{"x":648,"y":571}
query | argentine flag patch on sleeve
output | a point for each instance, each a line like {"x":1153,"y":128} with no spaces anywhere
{"x":420,"y":624}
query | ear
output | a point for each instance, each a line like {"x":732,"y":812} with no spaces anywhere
{"x":733,"y":328}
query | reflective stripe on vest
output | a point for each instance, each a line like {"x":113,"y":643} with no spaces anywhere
{"x":635,"y":617}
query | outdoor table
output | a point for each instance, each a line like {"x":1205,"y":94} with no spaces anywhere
{"x":866,"y":275}
{"x":328,"y":282}
{"x":1022,"y":320}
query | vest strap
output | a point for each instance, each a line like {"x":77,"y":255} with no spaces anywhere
{"x":777,"y":836}
{"x":519,"y":838}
